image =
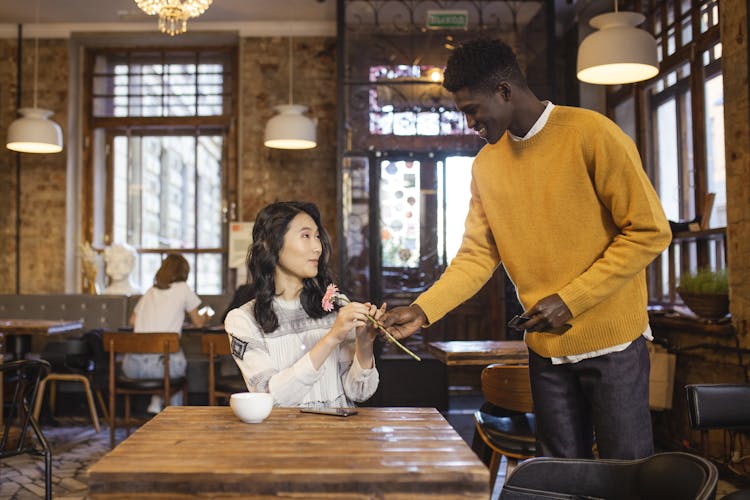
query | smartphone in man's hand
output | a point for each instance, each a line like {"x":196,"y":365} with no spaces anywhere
{"x":517,"y":320}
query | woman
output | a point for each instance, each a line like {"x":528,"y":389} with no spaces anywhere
{"x":162,"y":309}
{"x":283,"y":340}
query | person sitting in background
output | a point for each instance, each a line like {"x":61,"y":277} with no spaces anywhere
{"x":119,"y":260}
{"x":162,"y":309}
{"x":283,"y":340}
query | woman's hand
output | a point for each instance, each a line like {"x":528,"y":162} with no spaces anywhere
{"x":368,"y":332}
{"x":366,"y":335}
{"x":197,"y":319}
{"x":352,"y":315}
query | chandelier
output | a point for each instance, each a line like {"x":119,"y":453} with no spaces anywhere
{"x":173,"y":14}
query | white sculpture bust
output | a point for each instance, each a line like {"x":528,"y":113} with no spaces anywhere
{"x":119,"y":260}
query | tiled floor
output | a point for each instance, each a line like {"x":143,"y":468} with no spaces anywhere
{"x":75,"y":446}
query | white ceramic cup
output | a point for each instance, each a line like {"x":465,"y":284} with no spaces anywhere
{"x":251,"y":407}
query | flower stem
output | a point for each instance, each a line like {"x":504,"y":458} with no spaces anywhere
{"x":340,"y":298}
{"x":391,"y":338}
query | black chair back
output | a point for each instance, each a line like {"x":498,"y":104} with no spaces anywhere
{"x":719,"y":406}
{"x":673,"y":475}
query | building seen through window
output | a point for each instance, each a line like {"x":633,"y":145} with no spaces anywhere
{"x":159,"y":125}
{"x":684,"y":156}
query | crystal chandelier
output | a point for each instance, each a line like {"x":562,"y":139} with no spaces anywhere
{"x":173,"y":14}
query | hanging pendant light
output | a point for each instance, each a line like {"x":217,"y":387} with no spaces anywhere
{"x":34,"y":132}
{"x":618,"y":52}
{"x":290,"y":128}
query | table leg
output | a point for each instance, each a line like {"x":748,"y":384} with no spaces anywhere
{"x":2,"y":360}
{"x":19,"y":346}
{"x":446,"y":384}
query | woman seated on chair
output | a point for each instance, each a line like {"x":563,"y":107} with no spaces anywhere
{"x":162,"y":309}
{"x":283,"y":340}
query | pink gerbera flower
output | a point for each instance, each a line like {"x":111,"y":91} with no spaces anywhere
{"x":331,"y":292}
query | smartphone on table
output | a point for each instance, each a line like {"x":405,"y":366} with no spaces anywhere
{"x":336,"y":412}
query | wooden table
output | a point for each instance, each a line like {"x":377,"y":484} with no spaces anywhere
{"x":386,"y":453}
{"x":18,"y":331}
{"x":479,"y":352}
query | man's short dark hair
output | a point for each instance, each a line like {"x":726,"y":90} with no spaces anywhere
{"x":481,"y":64}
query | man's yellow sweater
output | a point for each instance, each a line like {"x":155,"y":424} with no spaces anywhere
{"x":568,"y":211}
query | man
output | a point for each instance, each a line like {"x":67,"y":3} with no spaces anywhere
{"x":559,"y":196}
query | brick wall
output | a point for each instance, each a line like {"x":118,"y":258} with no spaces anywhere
{"x":734,"y":25}
{"x":7,"y":168}
{"x":267,"y":175}
{"x":43,"y":177}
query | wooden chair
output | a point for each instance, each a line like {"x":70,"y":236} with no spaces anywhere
{"x":63,"y":372}
{"x":140,"y":343}
{"x":509,"y":431}
{"x":213,"y":344}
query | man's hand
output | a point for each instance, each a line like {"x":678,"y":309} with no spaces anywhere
{"x":547,"y":314}
{"x":404,"y":321}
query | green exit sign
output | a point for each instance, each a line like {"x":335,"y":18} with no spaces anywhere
{"x":447,"y":19}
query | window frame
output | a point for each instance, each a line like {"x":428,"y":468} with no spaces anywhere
{"x":693,"y":250}
{"x":99,"y":229}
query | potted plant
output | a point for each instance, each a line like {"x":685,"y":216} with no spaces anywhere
{"x":706,"y":293}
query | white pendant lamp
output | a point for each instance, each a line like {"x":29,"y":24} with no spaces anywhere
{"x":33,"y":132}
{"x":618,"y":52}
{"x":290,"y":128}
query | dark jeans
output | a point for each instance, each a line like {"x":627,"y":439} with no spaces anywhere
{"x":607,"y":395}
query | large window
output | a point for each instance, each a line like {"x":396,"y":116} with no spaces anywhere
{"x":159,"y":124}
{"x":681,"y":134}
{"x":454,"y":195}
{"x":401,"y":221}
{"x":409,"y":100}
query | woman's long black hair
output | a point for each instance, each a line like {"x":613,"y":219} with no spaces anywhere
{"x":271,"y":224}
